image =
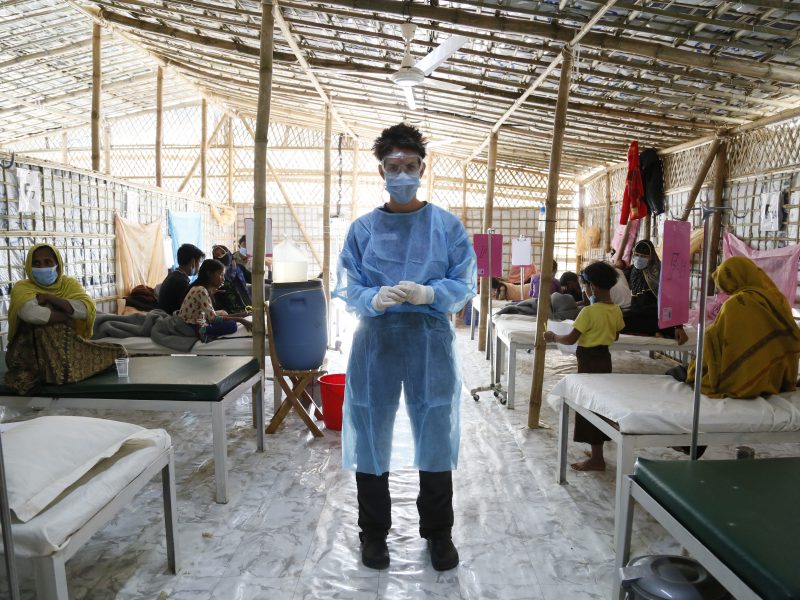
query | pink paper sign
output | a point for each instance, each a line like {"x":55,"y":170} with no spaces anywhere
{"x":673,"y":290}
{"x":633,"y":231}
{"x":480,"y":242}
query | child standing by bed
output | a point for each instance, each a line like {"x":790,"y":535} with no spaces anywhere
{"x":596,"y":328}
{"x":197,"y":309}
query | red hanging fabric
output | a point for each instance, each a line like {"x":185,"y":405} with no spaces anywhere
{"x":633,"y":206}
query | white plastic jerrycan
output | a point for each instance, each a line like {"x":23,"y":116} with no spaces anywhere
{"x":289,"y":263}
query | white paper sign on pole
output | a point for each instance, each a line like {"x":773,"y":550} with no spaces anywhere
{"x":770,"y":211}
{"x":30,"y":190}
{"x":249,"y":226}
{"x":542,"y":215}
{"x":521,"y":252}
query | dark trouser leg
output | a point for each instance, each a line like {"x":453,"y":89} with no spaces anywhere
{"x":435,"y":503}
{"x":374,"y":504}
{"x":587,"y":433}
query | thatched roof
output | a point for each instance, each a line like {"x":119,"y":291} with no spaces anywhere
{"x":662,"y":72}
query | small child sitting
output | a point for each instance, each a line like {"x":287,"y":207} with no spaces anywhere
{"x":596,"y":328}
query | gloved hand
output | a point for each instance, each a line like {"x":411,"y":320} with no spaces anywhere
{"x":388,"y":296}
{"x":416,"y":293}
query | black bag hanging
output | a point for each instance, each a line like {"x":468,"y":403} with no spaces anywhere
{"x":653,"y":180}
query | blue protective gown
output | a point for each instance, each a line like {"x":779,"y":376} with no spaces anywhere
{"x":408,"y":347}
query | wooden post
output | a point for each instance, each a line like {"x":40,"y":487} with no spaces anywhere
{"x":581,"y":223}
{"x":107,"y":147}
{"x":464,"y":194}
{"x":488,"y":208}
{"x":607,"y":233}
{"x":551,"y":203}
{"x":159,"y":123}
{"x":648,"y":224}
{"x":96,"y":74}
{"x":719,"y":185}
{"x":258,"y":245}
{"x":354,"y":184}
{"x":231,"y":160}
{"x":701,"y":177}
{"x":429,"y":182}
{"x":196,"y":162}
{"x":326,"y":207}
{"x":204,"y":148}
{"x":64,"y":148}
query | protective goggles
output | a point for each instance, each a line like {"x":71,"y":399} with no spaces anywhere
{"x":402,"y":162}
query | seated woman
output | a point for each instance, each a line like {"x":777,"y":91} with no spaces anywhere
{"x":233,"y":296}
{"x":197,"y":309}
{"x":49,"y":317}
{"x":641,"y":317}
{"x":753,"y":346}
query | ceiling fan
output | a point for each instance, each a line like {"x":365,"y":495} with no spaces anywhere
{"x":411,"y":74}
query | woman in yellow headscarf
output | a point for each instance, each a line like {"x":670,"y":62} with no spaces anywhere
{"x":752,"y":349}
{"x":49,"y":317}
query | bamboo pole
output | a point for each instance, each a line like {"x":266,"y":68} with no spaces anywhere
{"x":96,"y":81}
{"x":196,"y":162}
{"x":354,"y":183}
{"x":159,"y":123}
{"x":429,"y":179}
{"x":581,"y":223}
{"x":607,"y":232}
{"x":560,"y":122}
{"x":701,"y":177}
{"x":648,"y":223}
{"x":231,"y":159}
{"x":258,"y":246}
{"x":326,"y":208}
{"x":64,"y":148}
{"x":107,"y":148}
{"x":464,"y":194}
{"x":204,"y":147}
{"x":718,"y":200}
{"x":488,"y":208}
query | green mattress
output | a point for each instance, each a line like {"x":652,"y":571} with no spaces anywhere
{"x":746,"y":512}
{"x":195,"y":378}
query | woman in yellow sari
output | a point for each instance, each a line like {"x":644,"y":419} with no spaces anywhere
{"x":49,"y":317}
{"x":752,"y":349}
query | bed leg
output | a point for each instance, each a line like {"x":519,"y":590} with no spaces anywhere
{"x":511,"y":375}
{"x":472,"y":315}
{"x":623,"y":538}
{"x":258,"y":399}
{"x":170,"y":513}
{"x":51,"y":578}
{"x":626,"y":458}
{"x":563,"y":440}
{"x":498,"y":360}
{"x":220,"y":451}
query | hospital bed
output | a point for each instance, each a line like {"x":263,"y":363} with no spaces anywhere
{"x":201,"y":384}
{"x":517,"y":332}
{"x":644,"y":411}
{"x":736,"y":517}
{"x":96,"y":468}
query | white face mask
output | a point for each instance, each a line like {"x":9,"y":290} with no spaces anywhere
{"x":640,"y":262}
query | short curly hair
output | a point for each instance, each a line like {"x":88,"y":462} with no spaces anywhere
{"x":399,"y":137}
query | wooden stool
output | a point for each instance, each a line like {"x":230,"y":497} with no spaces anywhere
{"x":294,"y":384}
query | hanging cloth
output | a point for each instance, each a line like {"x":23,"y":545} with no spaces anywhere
{"x":633,"y":206}
{"x":652,"y":180}
{"x":139,"y":254}
{"x":184,"y":228}
{"x":780,"y":264}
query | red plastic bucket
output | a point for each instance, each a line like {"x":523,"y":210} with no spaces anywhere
{"x":331,"y":388}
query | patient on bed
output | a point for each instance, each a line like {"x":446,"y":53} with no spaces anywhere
{"x":48,"y":320}
{"x":596,"y":328}
{"x":752,"y":348}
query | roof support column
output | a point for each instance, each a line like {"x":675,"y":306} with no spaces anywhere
{"x":488,"y":208}
{"x":96,"y":74}
{"x":203,"y":147}
{"x":719,"y":185}
{"x":159,"y":123}
{"x":326,"y":207}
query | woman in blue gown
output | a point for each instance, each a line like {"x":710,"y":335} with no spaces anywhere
{"x":403,"y":269}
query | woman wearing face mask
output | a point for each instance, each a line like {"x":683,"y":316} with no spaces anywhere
{"x":233,"y":296}
{"x":641,"y":317}
{"x":49,"y":317}
{"x":403,"y":268}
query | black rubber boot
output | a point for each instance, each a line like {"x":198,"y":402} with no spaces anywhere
{"x":374,"y":518}
{"x":444,"y":555}
{"x":374,"y":551}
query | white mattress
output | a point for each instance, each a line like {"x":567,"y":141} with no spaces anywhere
{"x":238,"y":344}
{"x":659,"y":404}
{"x":522,"y":330}
{"x":51,"y":529}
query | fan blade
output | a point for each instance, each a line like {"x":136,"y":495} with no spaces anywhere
{"x":442,"y":85}
{"x":441,"y":53}
{"x":409,"y":91}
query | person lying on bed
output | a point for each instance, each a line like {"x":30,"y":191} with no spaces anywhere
{"x":197,"y":309}
{"x":596,"y":328}
{"x":641,"y":317}
{"x":233,"y":296}
{"x":753,"y":346}
{"x":49,"y":317}
{"x":176,"y":285}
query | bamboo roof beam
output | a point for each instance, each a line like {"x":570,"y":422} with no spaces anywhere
{"x":49,"y":54}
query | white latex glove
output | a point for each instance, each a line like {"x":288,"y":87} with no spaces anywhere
{"x":417,"y":293}
{"x":388,"y":296}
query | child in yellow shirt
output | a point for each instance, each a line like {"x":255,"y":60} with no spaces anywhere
{"x":596,"y":328}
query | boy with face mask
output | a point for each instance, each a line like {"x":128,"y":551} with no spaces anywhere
{"x":176,"y":285}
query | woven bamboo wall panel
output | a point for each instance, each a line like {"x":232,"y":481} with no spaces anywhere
{"x":776,"y":147}
{"x":681,"y":168}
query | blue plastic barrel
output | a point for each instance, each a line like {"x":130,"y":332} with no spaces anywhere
{"x":299,"y":324}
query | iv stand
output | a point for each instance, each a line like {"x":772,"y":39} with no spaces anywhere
{"x":496,"y":388}
{"x":8,"y":542}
